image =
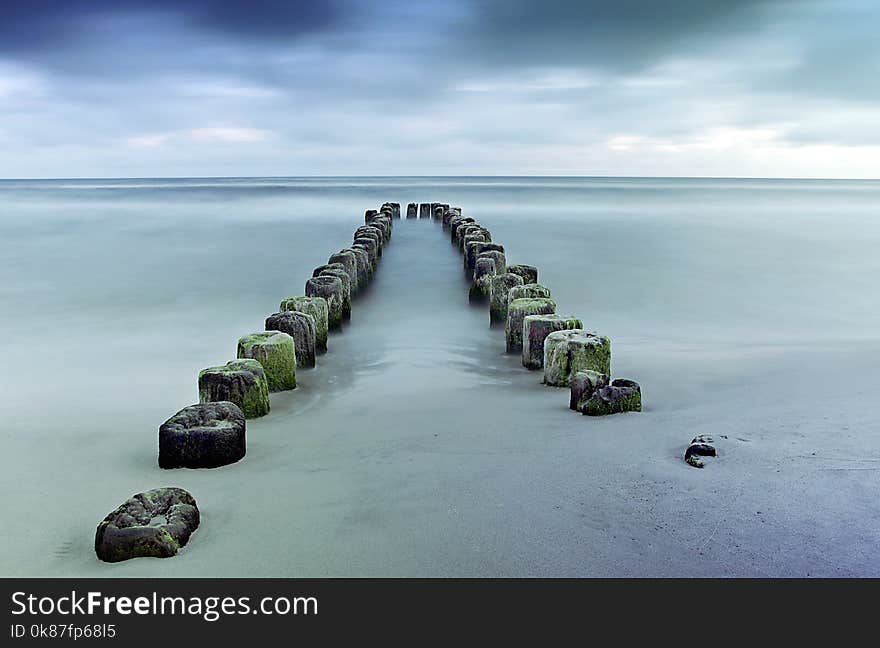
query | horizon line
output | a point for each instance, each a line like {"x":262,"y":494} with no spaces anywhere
{"x":581,"y":177}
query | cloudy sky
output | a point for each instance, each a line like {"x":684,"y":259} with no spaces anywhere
{"x":487,"y":87}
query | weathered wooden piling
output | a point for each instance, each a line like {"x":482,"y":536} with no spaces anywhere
{"x":318,"y":309}
{"x":567,"y":352}
{"x":424,"y":210}
{"x":393,"y":207}
{"x":528,"y":291}
{"x":536,"y":328}
{"x":499,"y":287}
{"x":474,"y":249}
{"x":276,"y":353}
{"x":242,"y":382}
{"x":342,"y":275}
{"x":454,"y":224}
{"x":483,"y":273}
{"x":364,"y":267}
{"x":301,"y":327}
{"x":206,"y":435}
{"x":369,"y":231}
{"x":412,"y":210}
{"x":495,"y":255}
{"x":349,"y":262}
{"x":516,"y":313}
{"x":371,"y":247}
{"x":527,"y":272}
{"x":330,"y":288}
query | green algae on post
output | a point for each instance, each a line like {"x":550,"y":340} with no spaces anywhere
{"x":536,"y":328}
{"x":242,"y":382}
{"x":483,"y":273}
{"x":317,"y":308}
{"x":499,"y":286}
{"x":517,"y":310}
{"x":567,"y":352}
{"x":527,"y":272}
{"x":276,"y":353}
{"x":528,"y":290}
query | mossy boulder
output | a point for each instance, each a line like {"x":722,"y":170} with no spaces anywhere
{"x":583,"y":385}
{"x":536,"y":328}
{"x":331,"y":270}
{"x":276,"y":353}
{"x":528,"y":273}
{"x":242,"y":382}
{"x":531,"y":291}
{"x":330,"y":288}
{"x":567,"y":352}
{"x":206,"y":435}
{"x":498,"y":257}
{"x":319,"y":311}
{"x":517,"y":310}
{"x":412,"y":210}
{"x":154,"y":524}
{"x":499,"y":286}
{"x":483,"y":273}
{"x":299,"y":326}
{"x":348,"y":260}
{"x":620,"y":396}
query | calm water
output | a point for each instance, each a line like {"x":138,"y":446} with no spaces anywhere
{"x":116,"y":292}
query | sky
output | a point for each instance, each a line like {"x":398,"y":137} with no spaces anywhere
{"x":166,"y":88}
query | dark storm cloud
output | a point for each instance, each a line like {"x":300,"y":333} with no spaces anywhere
{"x":616,"y":34}
{"x":39,"y":24}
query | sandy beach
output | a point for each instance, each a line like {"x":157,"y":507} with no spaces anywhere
{"x":745,"y":309}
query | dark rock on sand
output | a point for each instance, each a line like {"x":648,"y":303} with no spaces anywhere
{"x":620,"y":396}
{"x":583,"y":385}
{"x":154,"y":524}
{"x":701,"y":446}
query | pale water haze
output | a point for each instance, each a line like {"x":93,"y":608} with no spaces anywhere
{"x":746,"y":309}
